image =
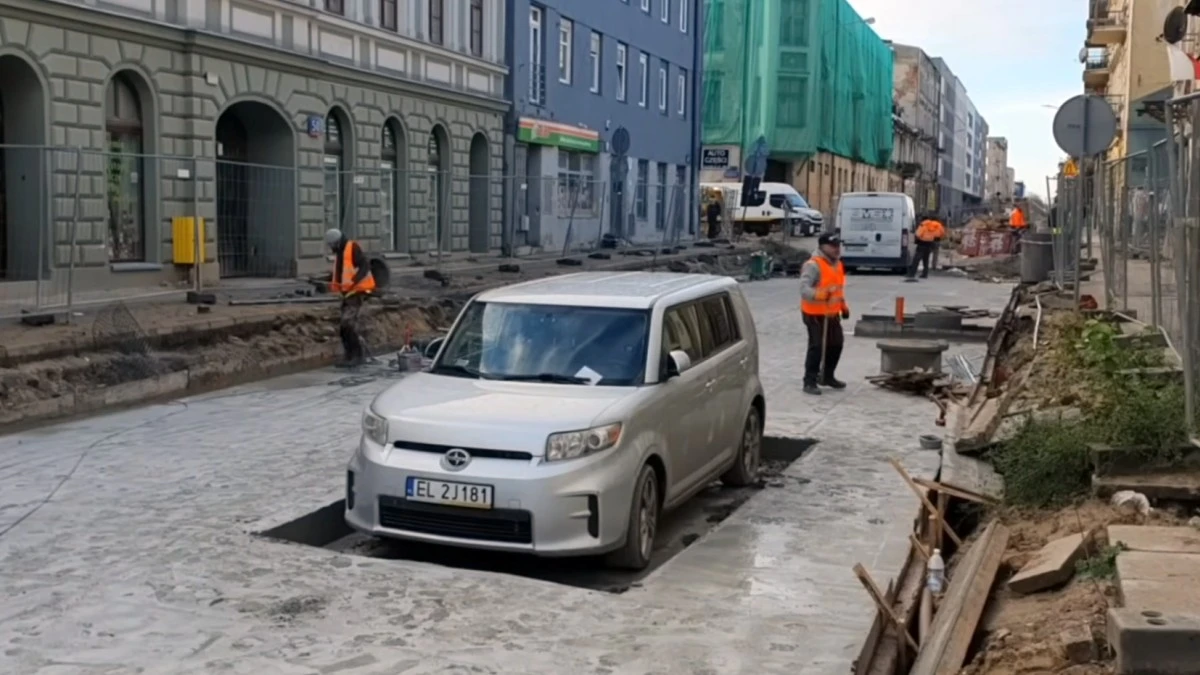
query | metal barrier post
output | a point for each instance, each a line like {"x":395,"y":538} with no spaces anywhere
{"x":198,"y":252}
{"x":74,"y":234}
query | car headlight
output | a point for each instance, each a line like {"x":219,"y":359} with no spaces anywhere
{"x":374,"y":427}
{"x":572,"y":444}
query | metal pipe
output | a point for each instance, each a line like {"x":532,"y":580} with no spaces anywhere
{"x":1037,"y":321}
{"x":74,"y":234}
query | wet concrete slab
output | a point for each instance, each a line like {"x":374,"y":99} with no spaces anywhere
{"x":127,"y":540}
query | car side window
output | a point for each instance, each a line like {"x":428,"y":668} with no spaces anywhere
{"x":699,"y":322}
{"x":777,"y":201}
{"x":720,"y":319}
{"x":677,"y":336}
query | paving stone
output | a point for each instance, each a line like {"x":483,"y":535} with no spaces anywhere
{"x":1154,"y":643}
{"x":1053,"y":565}
{"x":1155,"y":539}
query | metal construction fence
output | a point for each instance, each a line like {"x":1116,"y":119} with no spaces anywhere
{"x":1144,"y":209}
{"x":82,"y":227}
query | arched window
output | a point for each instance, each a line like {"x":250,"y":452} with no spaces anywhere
{"x":335,"y":200}
{"x":389,"y":187}
{"x":126,"y":187}
{"x":436,"y":187}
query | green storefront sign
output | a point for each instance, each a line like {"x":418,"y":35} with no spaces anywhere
{"x":541,"y":132}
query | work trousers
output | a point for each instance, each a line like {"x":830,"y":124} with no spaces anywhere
{"x":349,"y":327}
{"x":921,"y":257}
{"x":825,"y":340}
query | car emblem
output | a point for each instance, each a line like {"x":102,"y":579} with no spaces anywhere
{"x":456,"y":459}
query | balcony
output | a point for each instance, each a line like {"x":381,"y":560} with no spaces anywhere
{"x":1106,"y":25}
{"x":1096,"y":69}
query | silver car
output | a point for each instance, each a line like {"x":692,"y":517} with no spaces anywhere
{"x":563,"y":416}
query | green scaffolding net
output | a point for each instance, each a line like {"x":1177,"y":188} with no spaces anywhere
{"x":809,"y":75}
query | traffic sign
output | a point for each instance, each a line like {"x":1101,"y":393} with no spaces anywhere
{"x":1070,"y":169}
{"x":1084,"y":126}
{"x":756,"y":164}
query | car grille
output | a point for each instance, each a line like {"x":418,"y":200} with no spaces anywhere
{"x":475,"y":452}
{"x":510,"y":526}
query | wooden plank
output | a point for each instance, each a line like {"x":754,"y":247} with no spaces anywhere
{"x":921,"y":494}
{"x":954,"y":491}
{"x":961,"y":608}
{"x":881,"y":602}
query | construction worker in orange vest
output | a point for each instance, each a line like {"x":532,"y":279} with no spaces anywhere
{"x":822,"y":307}
{"x":929,"y":233}
{"x":1017,"y":219}
{"x":352,"y":278}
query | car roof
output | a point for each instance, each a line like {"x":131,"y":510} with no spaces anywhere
{"x":872,"y":194}
{"x":625,"y":290}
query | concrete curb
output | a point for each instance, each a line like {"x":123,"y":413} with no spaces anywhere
{"x":208,"y":377}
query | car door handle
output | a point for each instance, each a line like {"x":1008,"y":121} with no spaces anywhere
{"x":710,"y":383}
{"x":744,"y":360}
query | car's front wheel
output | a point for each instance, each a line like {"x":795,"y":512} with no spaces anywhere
{"x":745,"y":470}
{"x":643,"y":524}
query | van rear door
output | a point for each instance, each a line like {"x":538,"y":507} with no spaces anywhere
{"x":871,"y":227}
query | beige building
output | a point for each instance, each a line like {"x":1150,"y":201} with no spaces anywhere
{"x":998,"y":181}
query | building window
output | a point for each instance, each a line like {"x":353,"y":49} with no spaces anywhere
{"x":791,"y":111}
{"x":387,"y":15}
{"x":681,"y":93}
{"x":660,"y":198}
{"x":336,"y":6}
{"x":715,"y":17}
{"x":646,"y":5}
{"x":683,"y":15}
{"x":622,"y":53}
{"x":125,"y":190}
{"x":643,"y":187}
{"x":576,"y":183}
{"x":662,"y":88}
{"x":644,"y":65}
{"x":389,"y":188}
{"x":594,"y":55}
{"x":666,"y":10}
{"x":436,"y":26}
{"x":793,"y":25}
{"x":711,"y":112}
{"x":565,"y":38}
{"x":536,"y":72}
{"x":477,"y":27}
{"x":332,"y":162}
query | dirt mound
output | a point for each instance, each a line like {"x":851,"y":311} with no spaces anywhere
{"x":383,"y":327}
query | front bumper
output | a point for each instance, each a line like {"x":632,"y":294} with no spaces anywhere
{"x":576,"y":507}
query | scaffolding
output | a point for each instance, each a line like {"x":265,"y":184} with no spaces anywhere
{"x":809,"y":75}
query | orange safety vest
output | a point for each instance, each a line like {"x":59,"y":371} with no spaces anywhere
{"x":1017,"y":219}
{"x":930,"y":230}
{"x":831,"y":285}
{"x":349,"y":271}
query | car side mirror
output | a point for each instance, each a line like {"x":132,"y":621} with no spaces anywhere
{"x":678,"y":363}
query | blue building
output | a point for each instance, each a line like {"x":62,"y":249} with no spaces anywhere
{"x":579,"y":71}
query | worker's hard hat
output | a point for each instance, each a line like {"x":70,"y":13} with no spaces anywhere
{"x":333,"y":237}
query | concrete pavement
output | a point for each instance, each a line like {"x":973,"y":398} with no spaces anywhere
{"x":125,"y":542}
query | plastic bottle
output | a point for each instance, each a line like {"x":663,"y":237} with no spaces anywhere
{"x":936,"y":581}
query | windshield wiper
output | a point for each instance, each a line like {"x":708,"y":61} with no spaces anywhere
{"x":555,"y":378}
{"x":454,"y":369}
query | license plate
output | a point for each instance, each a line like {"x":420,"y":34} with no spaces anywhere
{"x":468,"y":495}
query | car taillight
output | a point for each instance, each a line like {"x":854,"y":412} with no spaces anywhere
{"x":904,"y":240}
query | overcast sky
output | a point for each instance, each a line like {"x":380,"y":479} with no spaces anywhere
{"x":1015,"y":57}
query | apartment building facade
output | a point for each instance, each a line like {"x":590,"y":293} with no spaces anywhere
{"x":584,"y":74}
{"x":962,"y":149}
{"x":271,"y":120}
{"x":917,"y":86}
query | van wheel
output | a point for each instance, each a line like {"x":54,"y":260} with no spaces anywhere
{"x":744,"y":471}
{"x":642,"y":526}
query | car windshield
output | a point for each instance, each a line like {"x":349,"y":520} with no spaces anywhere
{"x":548,"y":343}
{"x":797,"y":201}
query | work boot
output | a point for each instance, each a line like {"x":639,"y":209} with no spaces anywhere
{"x":812,"y":389}
{"x":833,"y":383}
{"x":925,"y":275}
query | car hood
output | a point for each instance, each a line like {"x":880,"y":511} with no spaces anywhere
{"x":517,"y":416}
{"x":811,"y":214}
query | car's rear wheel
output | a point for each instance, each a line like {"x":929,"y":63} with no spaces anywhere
{"x":745,"y":470}
{"x":643,"y":524}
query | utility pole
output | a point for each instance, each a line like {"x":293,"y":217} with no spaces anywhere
{"x":744,"y":131}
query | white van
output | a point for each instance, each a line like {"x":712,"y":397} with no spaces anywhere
{"x":876,"y":229}
{"x":781,"y":205}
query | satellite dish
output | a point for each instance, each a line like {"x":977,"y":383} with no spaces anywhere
{"x":1175,"y":26}
{"x":620,"y":141}
{"x":1083,"y":54}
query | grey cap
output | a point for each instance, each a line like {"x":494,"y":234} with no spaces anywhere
{"x":333,"y":237}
